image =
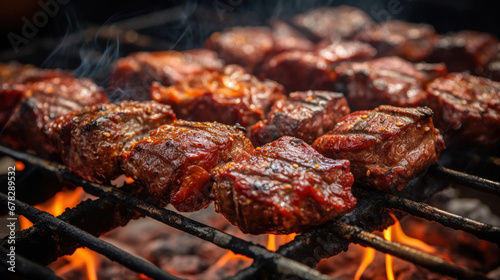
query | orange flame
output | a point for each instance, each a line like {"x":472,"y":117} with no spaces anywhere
{"x":388,"y":258}
{"x":57,"y":204}
{"x":271,"y":242}
{"x":20,"y":166}
{"x":367,"y":260}
{"x":228,"y":257}
{"x":82,"y":258}
{"x":392,"y":233}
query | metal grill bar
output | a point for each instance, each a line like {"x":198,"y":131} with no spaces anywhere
{"x":219,"y":238}
{"x":112,"y":252}
{"x":422,"y":210}
{"x":431,"y":262}
{"x":27,"y":268}
{"x":478,"y":183}
{"x":284,"y":265}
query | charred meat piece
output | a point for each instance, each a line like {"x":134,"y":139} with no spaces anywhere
{"x":297,"y":70}
{"x":175,"y":161}
{"x":305,"y":115}
{"x":133,"y":75}
{"x":245,"y":46}
{"x":287,"y":38}
{"x":38,"y":101}
{"x":92,"y":140}
{"x":387,"y":147}
{"x":388,"y":80}
{"x":413,"y":42}
{"x":431,"y":71}
{"x":332,"y":24}
{"x":283,"y":187}
{"x":230,"y":97}
{"x":345,"y":51}
{"x":467,"y":109}
{"x":465,"y":51}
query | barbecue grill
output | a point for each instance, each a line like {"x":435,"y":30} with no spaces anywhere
{"x":56,"y":237}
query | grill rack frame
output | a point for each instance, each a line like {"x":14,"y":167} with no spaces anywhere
{"x":262,"y":257}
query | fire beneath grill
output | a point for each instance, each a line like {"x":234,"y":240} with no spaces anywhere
{"x":188,"y":257}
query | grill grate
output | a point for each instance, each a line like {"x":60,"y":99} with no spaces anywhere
{"x":264,"y":258}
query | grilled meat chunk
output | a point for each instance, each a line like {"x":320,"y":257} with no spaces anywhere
{"x":43,"y":96}
{"x":465,"y":51}
{"x":230,"y":97}
{"x":388,"y":80}
{"x":345,"y":51}
{"x":333,"y":24}
{"x":305,"y":115}
{"x":133,"y":75}
{"x":287,"y":38}
{"x":246,"y":46}
{"x":283,"y":187}
{"x":413,"y":42}
{"x":297,"y":70}
{"x":175,"y":161}
{"x":92,"y":140}
{"x":467,"y":109}
{"x":387,"y":147}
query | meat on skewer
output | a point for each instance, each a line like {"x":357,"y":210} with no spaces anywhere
{"x":230,"y":97}
{"x":283,"y":187}
{"x":305,"y":115}
{"x":413,"y":42}
{"x":387,"y":147}
{"x":32,"y":97}
{"x":245,"y":46}
{"x":465,"y":51}
{"x":133,"y":75}
{"x":176,"y":160}
{"x":467,"y":109}
{"x":92,"y":140}
{"x":387,"y":80}
{"x":332,"y":23}
{"x":300,"y":70}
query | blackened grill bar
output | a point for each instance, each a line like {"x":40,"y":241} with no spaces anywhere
{"x":481,"y":184}
{"x":27,"y":268}
{"x":283,"y":265}
{"x":422,"y":210}
{"x":357,"y":235}
{"x":171,"y":218}
{"x":112,"y":252}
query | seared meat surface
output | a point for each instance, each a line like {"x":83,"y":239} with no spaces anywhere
{"x":133,"y":75}
{"x":333,"y":23}
{"x":230,"y":97}
{"x":175,"y":161}
{"x":413,"y":42}
{"x":345,"y":51}
{"x":298,"y":70}
{"x":387,"y":147}
{"x":92,"y":140}
{"x":467,"y":109}
{"x":245,"y":46}
{"x":465,"y":51}
{"x":287,"y":38}
{"x":283,"y":187}
{"x":387,"y":80}
{"x":33,"y":98}
{"x":305,"y":115}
